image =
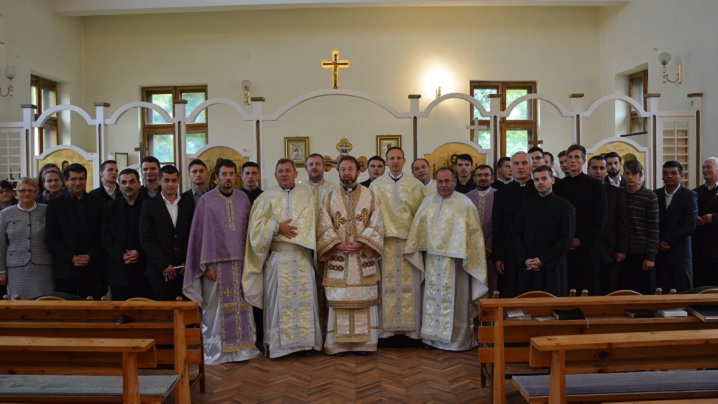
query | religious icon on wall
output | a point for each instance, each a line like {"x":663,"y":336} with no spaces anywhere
{"x":213,"y":155}
{"x":296,"y":149}
{"x":385,"y":142}
{"x":63,"y":157}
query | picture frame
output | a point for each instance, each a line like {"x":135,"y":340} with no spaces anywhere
{"x":296,"y":149}
{"x":384,"y":142}
{"x":122,"y":160}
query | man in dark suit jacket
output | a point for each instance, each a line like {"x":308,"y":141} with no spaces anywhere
{"x":678,"y":211}
{"x":613,"y":243}
{"x":73,"y":235}
{"x":121,"y":238}
{"x":705,"y":239}
{"x":165,"y":223}
{"x":108,"y":189}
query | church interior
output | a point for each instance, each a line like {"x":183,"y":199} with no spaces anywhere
{"x":409,"y":73}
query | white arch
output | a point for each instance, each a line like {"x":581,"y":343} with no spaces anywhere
{"x":324,"y":93}
{"x":460,"y":96}
{"x":40,"y":122}
{"x":139,"y":104}
{"x":473,"y":145}
{"x":207,"y":147}
{"x":552,"y":101}
{"x":218,"y":101}
{"x":83,"y":153}
{"x":616,"y":97}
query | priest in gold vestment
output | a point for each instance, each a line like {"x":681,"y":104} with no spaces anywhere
{"x":279,"y":273}
{"x":350,"y":242}
{"x":400,"y":196}
{"x":447,"y":229}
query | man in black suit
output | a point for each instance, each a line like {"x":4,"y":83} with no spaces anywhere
{"x":108,"y":189}
{"x":613,"y":243}
{"x":198,"y":177}
{"x":613,"y":162}
{"x":678,"y":211}
{"x":165,"y":223}
{"x":705,"y":239}
{"x":73,"y":223}
{"x":121,"y":239}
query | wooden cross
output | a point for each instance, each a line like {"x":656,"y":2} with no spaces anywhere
{"x":227,"y":292}
{"x":534,"y":142}
{"x":142,"y":149}
{"x":335,"y":64}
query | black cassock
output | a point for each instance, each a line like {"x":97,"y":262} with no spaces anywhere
{"x":589,"y":201}
{"x":544,"y":229}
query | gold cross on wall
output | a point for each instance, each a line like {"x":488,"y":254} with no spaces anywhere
{"x":335,"y":64}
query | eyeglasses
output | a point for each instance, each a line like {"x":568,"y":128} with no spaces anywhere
{"x":5,"y":191}
{"x":25,"y":191}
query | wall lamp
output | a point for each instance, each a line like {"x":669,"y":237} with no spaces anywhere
{"x":10,"y":74}
{"x":664,"y":58}
{"x":246,"y":84}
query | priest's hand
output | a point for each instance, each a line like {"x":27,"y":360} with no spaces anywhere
{"x":80,"y":261}
{"x":349,"y":247}
{"x":575,"y":244}
{"x":499,"y":264}
{"x":210,"y":274}
{"x":648,"y":265}
{"x":533,"y":264}
{"x":663,"y":246}
{"x":620,"y":257}
{"x":169,"y":273}
{"x":131,"y":257}
{"x":286,"y":229}
{"x":705,"y":219}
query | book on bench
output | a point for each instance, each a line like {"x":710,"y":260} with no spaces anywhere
{"x":673,"y":313}
{"x":571,"y":314}
{"x":641,"y":313}
{"x":705,"y":313}
{"x":517,"y":314}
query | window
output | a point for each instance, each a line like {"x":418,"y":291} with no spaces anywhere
{"x":44,"y":96}
{"x":519,"y":128}
{"x":638,"y":89}
{"x":158,"y":135}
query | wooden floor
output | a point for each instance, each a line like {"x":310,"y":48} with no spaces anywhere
{"x":396,"y":375}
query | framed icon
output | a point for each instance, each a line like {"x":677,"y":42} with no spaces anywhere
{"x":384,"y":142}
{"x":296,"y":149}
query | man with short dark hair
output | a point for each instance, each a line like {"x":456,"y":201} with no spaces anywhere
{"x":215,"y":263}
{"x":464,"y":173}
{"x":455,"y":271}
{"x":375,"y":168}
{"x":613,"y":244}
{"x":121,"y":238}
{"x":74,"y":223}
{"x":613,"y":163}
{"x":150,"y":169}
{"x":503,"y":173}
{"x":197,"y":170}
{"x":250,"y":181}
{"x":165,"y":223}
{"x":421,"y":171}
{"x":589,"y":201}
{"x":677,"y":217}
{"x":563,"y":163}
{"x":536,"y":155}
{"x":705,"y":238}
{"x":483,"y":198}
{"x":543,"y":234}
{"x":108,"y":190}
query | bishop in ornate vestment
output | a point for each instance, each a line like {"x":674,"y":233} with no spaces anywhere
{"x":279,"y":273}
{"x":400,"y":196}
{"x":448,"y":230}
{"x":350,"y":242}
{"x":213,"y":274}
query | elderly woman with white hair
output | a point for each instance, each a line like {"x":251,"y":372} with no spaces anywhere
{"x":25,"y":261}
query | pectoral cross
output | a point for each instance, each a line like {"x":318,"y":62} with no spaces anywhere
{"x":227,"y":292}
{"x":335,"y":64}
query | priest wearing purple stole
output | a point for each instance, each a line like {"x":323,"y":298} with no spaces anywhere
{"x":213,"y":274}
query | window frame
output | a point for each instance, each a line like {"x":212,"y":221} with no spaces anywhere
{"x":506,"y":124}
{"x":633,"y":119}
{"x":52,"y":122}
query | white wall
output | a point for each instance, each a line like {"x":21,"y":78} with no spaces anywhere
{"x":40,"y":42}
{"x":392,"y":51}
{"x":638,"y":32}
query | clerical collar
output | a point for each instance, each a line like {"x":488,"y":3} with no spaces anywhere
{"x":484,"y":192}
{"x":349,"y":189}
{"x":290,"y":189}
{"x":710,"y":188}
{"x":506,"y":181}
{"x":396,"y":178}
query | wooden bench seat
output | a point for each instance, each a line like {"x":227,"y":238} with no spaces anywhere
{"x":641,"y":354}
{"x":174,"y":327}
{"x":507,"y":342}
{"x":58,"y":361}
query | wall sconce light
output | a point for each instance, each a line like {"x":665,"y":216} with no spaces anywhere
{"x":438,"y":92}
{"x":10,"y":74}
{"x":664,"y":58}
{"x":246,"y":84}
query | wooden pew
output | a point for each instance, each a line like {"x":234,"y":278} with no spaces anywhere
{"x":50,"y":357}
{"x":503,"y":341}
{"x":593,"y":359}
{"x":178,"y":346}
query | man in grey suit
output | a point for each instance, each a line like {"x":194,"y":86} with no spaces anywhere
{"x":678,"y":212}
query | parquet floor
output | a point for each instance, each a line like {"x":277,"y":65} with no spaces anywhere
{"x":390,"y":375}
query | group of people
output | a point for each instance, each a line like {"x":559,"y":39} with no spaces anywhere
{"x":303,"y":267}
